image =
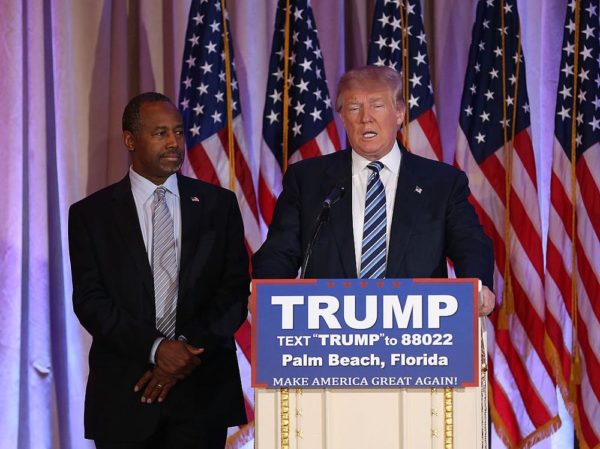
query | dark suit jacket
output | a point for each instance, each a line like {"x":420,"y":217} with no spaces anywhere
{"x":113,"y":297}
{"x":432,"y":220}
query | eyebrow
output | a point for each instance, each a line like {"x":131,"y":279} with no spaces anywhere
{"x":370,"y":100}
{"x":163,"y":127}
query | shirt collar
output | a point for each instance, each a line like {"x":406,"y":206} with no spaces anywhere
{"x":145,"y":188}
{"x":391,"y":161}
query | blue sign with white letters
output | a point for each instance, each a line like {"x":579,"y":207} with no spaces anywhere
{"x":353,"y":333}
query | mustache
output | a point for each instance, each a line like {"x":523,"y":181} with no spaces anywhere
{"x":176,"y":152}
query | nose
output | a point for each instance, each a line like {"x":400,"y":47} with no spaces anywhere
{"x":172,"y":140}
{"x":365,"y":116}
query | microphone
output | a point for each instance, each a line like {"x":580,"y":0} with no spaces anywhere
{"x":336,"y":194}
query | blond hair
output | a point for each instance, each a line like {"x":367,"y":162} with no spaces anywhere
{"x":370,"y":75}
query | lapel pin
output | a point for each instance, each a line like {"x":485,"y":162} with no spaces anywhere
{"x":195,"y":199}
{"x":418,"y":189}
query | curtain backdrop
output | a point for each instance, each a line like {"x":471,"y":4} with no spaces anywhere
{"x":68,"y":69}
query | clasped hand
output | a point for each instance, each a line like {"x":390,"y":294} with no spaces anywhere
{"x":175,"y":360}
{"x":488,"y":301}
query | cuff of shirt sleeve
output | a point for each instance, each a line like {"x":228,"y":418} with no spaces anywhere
{"x":154,"y":348}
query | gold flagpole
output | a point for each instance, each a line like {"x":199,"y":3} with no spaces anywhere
{"x":285,"y":392}
{"x":405,"y":63}
{"x":286,"y":94}
{"x":230,"y":143}
{"x":508,"y":305}
{"x":575,"y":377}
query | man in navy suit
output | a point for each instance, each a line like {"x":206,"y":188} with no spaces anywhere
{"x":427,"y":215}
{"x":160,"y":281}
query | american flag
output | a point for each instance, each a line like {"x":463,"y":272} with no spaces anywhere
{"x":573,"y":248}
{"x":298,"y":78}
{"x":398,"y":26}
{"x":216,"y":149}
{"x":494,"y":148}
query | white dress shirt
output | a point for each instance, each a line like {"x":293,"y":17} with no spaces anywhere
{"x":360,"y":178}
{"x":143,"y":196}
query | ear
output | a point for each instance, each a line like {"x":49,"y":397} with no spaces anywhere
{"x":400,"y":111}
{"x":129,"y":140}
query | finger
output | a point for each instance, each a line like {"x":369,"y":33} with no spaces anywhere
{"x":194,"y":350}
{"x":165,"y":391}
{"x":143,"y":381}
{"x":485,"y":309}
{"x":150,"y":392}
{"x":155,"y":393}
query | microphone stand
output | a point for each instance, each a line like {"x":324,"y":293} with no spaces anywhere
{"x":334,"y":196}
{"x":321,"y":219}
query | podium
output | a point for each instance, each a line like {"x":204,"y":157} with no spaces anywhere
{"x":305,"y":397}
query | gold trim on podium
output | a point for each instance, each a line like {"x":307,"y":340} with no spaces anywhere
{"x":284,"y":418}
{"x":448,"y":418}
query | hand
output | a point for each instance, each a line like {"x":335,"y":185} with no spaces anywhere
{"x":176,"y":358}
{"x":158,"y":384}
{"x":488,"y":301}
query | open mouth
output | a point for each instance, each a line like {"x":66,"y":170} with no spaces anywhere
{"x":369,"y":134}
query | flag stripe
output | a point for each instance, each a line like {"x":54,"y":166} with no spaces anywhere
{"x":520,"y":218}
{"x":590,"y":194}
{"x":429,"y":126}
{"x":243,"y":336}
{"x":586,"y":427}
{"x":588,"y":278}
{"x":201,"y":165}
{"x":267,"y":199}
{"x":524,"y":150}
{"x":242,"y":171}
{"x":591,"y":365}
{"x":503,"y":407}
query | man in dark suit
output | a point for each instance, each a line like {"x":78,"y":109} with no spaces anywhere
{"x":160,"y":281}
{"x":415,"y":216}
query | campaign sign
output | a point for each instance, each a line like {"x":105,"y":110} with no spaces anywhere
{"x":353,"y":333}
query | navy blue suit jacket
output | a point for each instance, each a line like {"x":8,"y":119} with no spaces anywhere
{"x":432,"y":220}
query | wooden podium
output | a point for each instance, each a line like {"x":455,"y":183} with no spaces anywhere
{"x":365,"y":418}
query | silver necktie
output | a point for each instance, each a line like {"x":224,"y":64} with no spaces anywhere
{"x":164,"y":264}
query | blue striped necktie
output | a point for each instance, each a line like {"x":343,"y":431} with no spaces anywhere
{"x":164,"y":264}
{"x":373,"y":256}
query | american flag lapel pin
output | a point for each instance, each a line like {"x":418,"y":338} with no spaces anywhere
{"x":195,"y":199}
{"x":418,"y":189}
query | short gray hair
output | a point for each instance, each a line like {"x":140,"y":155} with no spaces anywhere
{"x":131,"y":114}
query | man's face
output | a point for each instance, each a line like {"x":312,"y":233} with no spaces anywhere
{"x":371,"y":120}
{"x":157,"y":148}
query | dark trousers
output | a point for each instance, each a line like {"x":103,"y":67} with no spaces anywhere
{"x":174,"y":438}
{"x":175,"y":431}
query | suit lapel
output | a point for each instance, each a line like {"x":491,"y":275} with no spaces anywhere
{"x":402,"y":226}
{"x":126,"y":218}
{"x":341,"y":214}
{"x":196,"y":235}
